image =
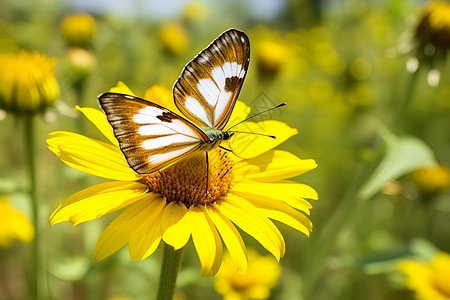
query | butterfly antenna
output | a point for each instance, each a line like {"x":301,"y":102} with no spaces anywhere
{"x":257,"y":114}
{"x":271,"y":136}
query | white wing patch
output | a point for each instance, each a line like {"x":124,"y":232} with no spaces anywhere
{"x":147,"y":115}
{"x":159,"y":158}
{"x":197,"y":109}
{"x":221,"y":105}
{"x":168,"y":140}
{"x":209,"y":90}
{"x":152,"y":129}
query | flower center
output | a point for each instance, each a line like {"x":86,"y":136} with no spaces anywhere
{"x":198,"y":179}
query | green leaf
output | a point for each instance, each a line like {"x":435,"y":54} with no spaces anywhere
{"x":403,"y":155}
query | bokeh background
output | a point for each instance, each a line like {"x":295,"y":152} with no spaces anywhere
{"x":355,"y":76}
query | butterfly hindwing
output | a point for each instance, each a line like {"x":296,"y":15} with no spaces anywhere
{"x":150,"y":136}
{"x":209,"y":85}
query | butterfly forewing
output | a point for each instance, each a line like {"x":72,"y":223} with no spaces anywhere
{"x":209,"y":85}
{"x":150,"y":136}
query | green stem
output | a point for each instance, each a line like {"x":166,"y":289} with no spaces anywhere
{"x":169,"y":271}
{"x":38,"y":290}
{"x":400,"y":105}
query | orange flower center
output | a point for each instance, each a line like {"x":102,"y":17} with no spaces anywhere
{"x":198,"y":179}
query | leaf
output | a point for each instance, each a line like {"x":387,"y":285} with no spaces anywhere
{"x":403,"y":155}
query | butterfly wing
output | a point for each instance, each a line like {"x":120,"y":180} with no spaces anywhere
{"x":209,"y":85}
{"x":150,"y":136}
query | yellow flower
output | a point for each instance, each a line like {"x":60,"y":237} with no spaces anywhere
{"x":262,"y":275}
{"x":196,"y":11}
{"x":78,"y":29}
{"x":434,"y":26}
{"x":430,"y":281}
{"x":27,"y":82}
{"x":270,"y":56}
{"x":81,"y":63}
{"x":173,"y":38}
{"x":432,"y":179}
{"x":14,"y":225}
{"x":170,"y":206}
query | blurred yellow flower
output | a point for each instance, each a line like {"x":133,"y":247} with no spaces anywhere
{"x":432,"y":179}
{"x":14,"y":225}
{"x":27,"y":82}
{"x":174,"y":38}
{"x":430,"y":281}
{"x":434,"y":26}
{"x":169,"y":206}
{"x":433,"y":34}
{"x":196,"y":11}
{"x":78,"y":29}
{"x":262,"y":275}
{"x":81,"y":63}
{"x":270,"y":56}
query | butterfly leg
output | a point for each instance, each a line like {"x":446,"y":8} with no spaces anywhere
{"x":221,"y":147}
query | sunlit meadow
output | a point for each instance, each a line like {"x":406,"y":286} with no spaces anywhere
{"x":367,"y":88}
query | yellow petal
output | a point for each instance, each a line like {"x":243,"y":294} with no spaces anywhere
{"x":175,"y":225}
{"x":272,"y":166}
{"x":121,"y":88}
{"x":282,"y":213}
{"x":250,"y":145}
{"x":97,"y":201}
{"x":204,"y":236}
{"x":231,"y":237}
{"x":291,"y":193}
{"x":90,"y":156}
{"x":219,"y":247}
{"x":117,"y":234}
{"x":145,"y":239}
{"x":239,"y":113}
{"x":249,"y":219}
{"x":162,"y":96}
{"x":14,"y":224}
{"x":99,"y":120}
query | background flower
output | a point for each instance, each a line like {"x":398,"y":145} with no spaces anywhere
{"x":15,"y":225}
{"x":78,"y":29}
{"x":262,"y":275}
{"x":27,"y":82}
{"x":429,"y":280}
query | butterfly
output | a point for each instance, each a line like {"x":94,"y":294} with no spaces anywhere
{"x":152,"y":137}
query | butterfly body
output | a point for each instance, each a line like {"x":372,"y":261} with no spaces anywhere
{"x":152,"y":137}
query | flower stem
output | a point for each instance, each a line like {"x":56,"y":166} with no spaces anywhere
{"x":169,"y":271}
{"x":38,"y":284}
{"x":400,"y":105}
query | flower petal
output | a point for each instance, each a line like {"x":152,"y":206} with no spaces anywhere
{"x":291,"y":193}
{"x":231,"y":238}
{"x":118,"y":232}
{"x":249,"y":219}
{"x":219,"y":247}
{"x":121,"y":88}
{"x":239,"y":113}
{"x":145,"y":239}
{"x":162,"y":96}
{"x":97,"y":201}
{"x":251,"y":145}
{"x":272,"y":166}
{"x":99,"y":120}
{"x":90,"y":156}
{"x":175,"y":225}
{"x":282,"y":213}
{"x":206,"y":240}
